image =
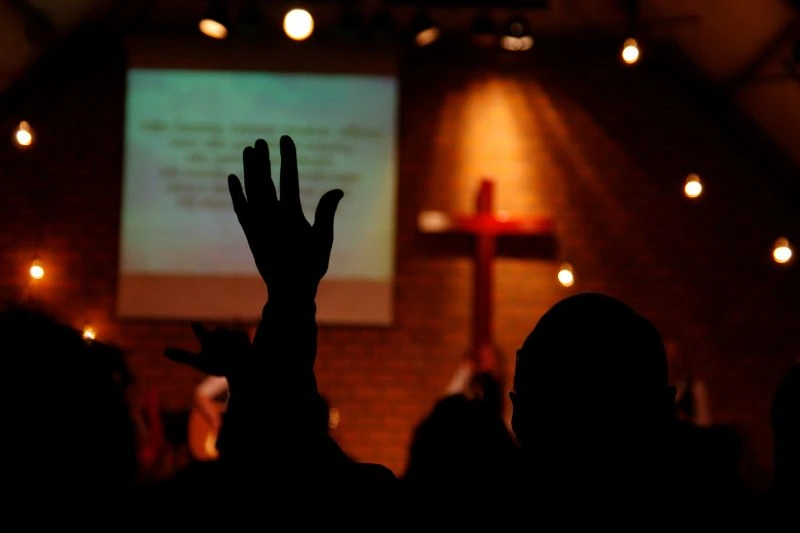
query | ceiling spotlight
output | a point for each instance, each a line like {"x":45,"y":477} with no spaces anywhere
{"x":215,"y":22}
{"x":424,"y":28}
{"x":517,"y":35}
{"x":298,"y":24}
{"x":630,"y":51}
{"x":483,"y":29}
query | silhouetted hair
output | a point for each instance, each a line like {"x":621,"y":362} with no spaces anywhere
{"x":70,"y":423}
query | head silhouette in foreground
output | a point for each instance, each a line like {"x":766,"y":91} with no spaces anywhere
{"x":592,"y":402}
{"x":71,"y":424}
{"x":786,"y":427}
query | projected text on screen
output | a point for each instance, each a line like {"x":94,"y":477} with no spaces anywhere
{"x":183,"y":254}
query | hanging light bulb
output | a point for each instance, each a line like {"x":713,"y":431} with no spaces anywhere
{"x":565,"y":275}
{"x":424,"y":28}
{"x":298,"y":24}
{"x":693,"y":187}
{"x":630,"y":51}
{"x":215,"y":22}
{"x":782,"y":251}
{"x":23,"y":135}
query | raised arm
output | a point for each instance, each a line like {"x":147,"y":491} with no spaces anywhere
{"x":292,"y":256}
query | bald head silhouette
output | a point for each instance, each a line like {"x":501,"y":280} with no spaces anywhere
{"x":591,"y":380}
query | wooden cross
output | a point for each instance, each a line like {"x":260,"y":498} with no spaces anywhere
{"x":526,"y":236}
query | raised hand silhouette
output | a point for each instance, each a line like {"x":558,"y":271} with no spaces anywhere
{"x":291,"y":255}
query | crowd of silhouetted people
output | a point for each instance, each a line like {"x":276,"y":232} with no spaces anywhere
{"x":594,"y":413}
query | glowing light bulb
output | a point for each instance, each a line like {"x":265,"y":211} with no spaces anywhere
{"x":427,"y":36}
{"x":298,"y":24}
{"x":630,"y":51}
{"x":89,"y":333}
{"x":23,"y":136}
{"x":565,"y":275}
{"x":782,"y":252}
{"x":693,"y":187}
{"x":433,"y":221}
{"x":213,"y":28}
{"x":36,"y":270}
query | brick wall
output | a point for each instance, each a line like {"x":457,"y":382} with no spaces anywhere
{"x":567,"y":131}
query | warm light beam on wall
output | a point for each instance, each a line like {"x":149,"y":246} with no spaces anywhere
{"x":484,"y":123}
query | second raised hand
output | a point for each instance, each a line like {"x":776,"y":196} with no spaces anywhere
{"x":291,"y":255}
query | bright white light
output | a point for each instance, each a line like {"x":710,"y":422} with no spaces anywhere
{"x":630,"y":51}
{"x":693,"y":187}
{"x":565,"y":275}
{"x":782,"y":252}
{"x":298,"y":24}
{"x":89,"y":333}
{"x":37,"y":270}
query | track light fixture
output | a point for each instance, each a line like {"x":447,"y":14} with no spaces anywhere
{"x":517,"y":35}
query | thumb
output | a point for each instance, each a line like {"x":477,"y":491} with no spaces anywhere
{"x":323,"y":219}
{"x":199,"y":331}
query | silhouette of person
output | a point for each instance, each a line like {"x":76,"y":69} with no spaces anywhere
{"x":592,"y":406}
{"x":691,"y":393}
{"x":464,"y":443}
{"x":273,"y":378}
{"x":71,"y":430}
{"x":786,"y":428}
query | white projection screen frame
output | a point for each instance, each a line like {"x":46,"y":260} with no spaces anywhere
{"x":152,"y":288}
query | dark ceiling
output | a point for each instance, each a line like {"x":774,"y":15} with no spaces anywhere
{"x":745,"y":47}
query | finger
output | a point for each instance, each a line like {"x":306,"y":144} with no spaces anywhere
{"x":183,"y":357}
{"x":326,"y":210}
{"x":290,"y":186}
{"x":238,"y":198}
{"x":251,"y":178}
{"x":200,"y":331}
{"x":265,"y":186}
